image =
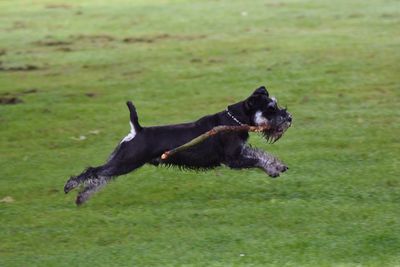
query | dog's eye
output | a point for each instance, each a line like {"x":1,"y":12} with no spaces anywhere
{"x":271,"y":106}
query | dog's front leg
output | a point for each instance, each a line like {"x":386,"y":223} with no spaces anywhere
{"x":270,"y":164}
{"x":251,"y":157}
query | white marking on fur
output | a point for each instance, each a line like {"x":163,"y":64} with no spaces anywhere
{"x":130,"y":135}
{"x":259,"y":119}
{"x":274,"y":99}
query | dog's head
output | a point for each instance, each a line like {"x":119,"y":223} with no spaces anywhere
{"x":264,"y":110}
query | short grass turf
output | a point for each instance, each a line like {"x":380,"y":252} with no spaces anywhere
{"x":68,"y":67}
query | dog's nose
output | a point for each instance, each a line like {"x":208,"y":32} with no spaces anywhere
{"x":289,"y":119}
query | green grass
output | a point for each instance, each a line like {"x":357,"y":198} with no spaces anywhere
{"x":334,"y":63}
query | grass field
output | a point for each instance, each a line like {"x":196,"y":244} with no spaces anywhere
{"x":67,"y":68}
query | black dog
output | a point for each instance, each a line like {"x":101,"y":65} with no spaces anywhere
{"x":146,"y":144}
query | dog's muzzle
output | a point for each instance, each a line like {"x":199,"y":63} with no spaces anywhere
{"x":278,"y":127}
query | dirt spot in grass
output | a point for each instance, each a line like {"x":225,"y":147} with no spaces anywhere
{"x":150,"y":39}
{"x":91,"y":94}
{"x":65,"y":49}
{"x":390,"y":15}
{"x":137,"y":40}
{"x":93,"y":38}
{"x":331,"y":71}
{"x":65,"y":45}
{"x":382,"y":91}
{"x":27,"y":67}
{"x":215,"y":60}
{"x":9,"y":98}
{"x":196,"y":60}
{"x":23,"y":92}
{"x":4,"y":100}
{"x":2,"y":52}
{"x":189,"y":37}
{"x":30,"y":91}
{"x":52,"y":43}
{"x":392,"y":183}
{"x":132,"y":73}
{"x":161,"y":37}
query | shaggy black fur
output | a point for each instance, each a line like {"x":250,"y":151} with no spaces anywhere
{"x":146,"y":144}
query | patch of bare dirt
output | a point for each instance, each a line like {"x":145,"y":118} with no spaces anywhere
{"x":215,"y":60}
{"x":165,"y":36}
{"x":4,"y":100}
{"x":65,"y":49}
{"x":132,"y":73}
{"x":64,"y":45}
{"x":196,"y":60}
{"x":91,"y":94}
{"x":30,"y":91}
{"x":20,"y":68}
{"x":93,"y":38}
{"x":52,"y":43}
{"x":138,"y":40}
{"x":12,"y":98}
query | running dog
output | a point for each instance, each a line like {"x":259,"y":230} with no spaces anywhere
{"x":146,"y":144}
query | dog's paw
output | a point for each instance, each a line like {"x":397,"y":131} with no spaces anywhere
{"x":70,"y":184}
{"x":273,"y":174}
{"x":80,"y":199}
{"x":83,"y":196}
{"x":282,"y":168}
{"x":275,"y":170}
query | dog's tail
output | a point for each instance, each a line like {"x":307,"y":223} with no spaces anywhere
{"x":134,"y":117}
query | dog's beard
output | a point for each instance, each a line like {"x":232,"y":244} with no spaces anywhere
{"x":275,"y":132}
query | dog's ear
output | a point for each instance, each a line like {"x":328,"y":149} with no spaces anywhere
{"x":252,"y":100}
{"x":261,"y":91}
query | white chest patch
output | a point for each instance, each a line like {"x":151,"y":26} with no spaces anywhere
{"x":130,"y":135}
{"x":259,"y":119}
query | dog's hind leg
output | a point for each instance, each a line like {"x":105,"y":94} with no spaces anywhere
{"x":114,"y":166}
{"x":93,"y":179}
{"x":91,"y":186}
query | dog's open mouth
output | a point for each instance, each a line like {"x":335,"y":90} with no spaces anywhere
{"x":275,"y":133}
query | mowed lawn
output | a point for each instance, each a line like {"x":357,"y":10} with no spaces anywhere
{"x":67,"y":68}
